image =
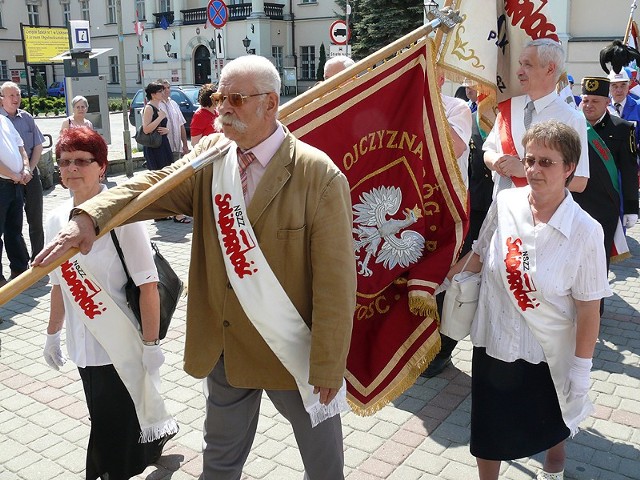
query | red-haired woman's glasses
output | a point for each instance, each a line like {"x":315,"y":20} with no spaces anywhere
{"x":78,"y":162}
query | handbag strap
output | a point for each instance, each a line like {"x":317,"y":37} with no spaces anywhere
{"x":116,"y":243}
{"x":463,"y":266}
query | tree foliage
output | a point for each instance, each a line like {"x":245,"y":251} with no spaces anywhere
{"x":321,"y":61}
{"x":376,"y":23}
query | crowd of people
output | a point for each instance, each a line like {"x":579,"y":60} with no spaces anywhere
{"x":274,"y":314}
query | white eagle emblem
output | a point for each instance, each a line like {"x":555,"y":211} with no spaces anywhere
{"x":373,"y":230}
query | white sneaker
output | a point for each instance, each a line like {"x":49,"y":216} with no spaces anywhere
{"x":542,"y":475}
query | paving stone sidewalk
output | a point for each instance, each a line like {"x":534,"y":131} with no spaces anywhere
{"x":423,"y":435}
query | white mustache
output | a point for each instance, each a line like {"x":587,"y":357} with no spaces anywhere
{"x":230,"y":120}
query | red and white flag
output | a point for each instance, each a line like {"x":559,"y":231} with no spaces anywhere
{"x":138,"y":27}
{"x":386,"y":130}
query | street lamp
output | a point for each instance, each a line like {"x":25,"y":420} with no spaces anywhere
{"x":167,"y":48}
{"x":212,"y":45}
{"x":246,"y":42}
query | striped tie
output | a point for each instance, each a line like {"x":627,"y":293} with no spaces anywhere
{"x":244,"y":160}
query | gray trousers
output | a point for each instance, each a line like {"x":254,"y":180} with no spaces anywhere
{"x":230,"y":427}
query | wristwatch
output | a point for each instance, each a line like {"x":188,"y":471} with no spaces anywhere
{"x":151,"y":342}
{"x":27,"y":168}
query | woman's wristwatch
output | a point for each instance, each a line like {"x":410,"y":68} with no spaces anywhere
{"x":149,"y":343}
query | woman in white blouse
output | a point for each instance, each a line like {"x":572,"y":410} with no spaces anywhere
{"x":543,"y":275}
{"x":117,"y":361}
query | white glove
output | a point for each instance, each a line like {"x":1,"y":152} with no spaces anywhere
{"x":52,"y":352}
{"x":446,"y":283}
{"x":152,"y":358}
{"x":577,"y":383}
{"x":629,"y":220}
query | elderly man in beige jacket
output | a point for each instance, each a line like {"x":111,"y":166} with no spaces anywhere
{"x":298,"y":206}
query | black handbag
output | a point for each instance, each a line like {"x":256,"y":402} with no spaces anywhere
{"x":169,"y":287}
{"x":151,"y":140}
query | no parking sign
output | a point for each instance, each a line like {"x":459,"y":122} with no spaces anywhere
{"x":217,"y":13}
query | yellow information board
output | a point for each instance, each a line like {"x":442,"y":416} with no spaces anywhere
{"x":43,"y":43}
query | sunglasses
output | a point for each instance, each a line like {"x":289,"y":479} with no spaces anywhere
{"x":78,"y":162}
{"x":235,"y":99}
{"x":543,"y":162}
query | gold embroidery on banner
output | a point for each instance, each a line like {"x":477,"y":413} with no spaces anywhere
{"x":460,"y":47}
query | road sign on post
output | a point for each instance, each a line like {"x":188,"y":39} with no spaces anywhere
{"x":217,"y":13}
{"x":219,"y":44}
{"x":339,"y":32}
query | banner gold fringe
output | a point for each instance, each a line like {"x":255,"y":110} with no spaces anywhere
{"x":620,"y":258}
{"x":423,"y":306}
{"x":414,"y":371}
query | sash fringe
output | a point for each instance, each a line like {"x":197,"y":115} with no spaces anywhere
{"x":417,"y":365}
{"x":319,"y":413}
{"x":157,"y":431}
{"x":575,"y":424}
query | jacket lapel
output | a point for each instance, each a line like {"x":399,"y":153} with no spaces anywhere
{"x":275,"y":177}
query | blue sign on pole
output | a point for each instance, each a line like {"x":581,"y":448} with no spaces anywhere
{"x":217,"y":13}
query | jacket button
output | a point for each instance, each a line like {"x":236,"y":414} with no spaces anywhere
{"x":225,"y":323}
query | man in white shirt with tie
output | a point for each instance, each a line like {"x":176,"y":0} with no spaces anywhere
{"x":541,"y":64}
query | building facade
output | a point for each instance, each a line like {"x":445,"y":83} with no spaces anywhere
{"x":179,"y":43}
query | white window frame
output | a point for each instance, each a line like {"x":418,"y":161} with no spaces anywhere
{"x":308,"y":67}
{"x":112,"y":16}
{"x":165,"y":5}
{"x":277,"y":52}
{"x":140,"y":8}
{"x":66,"y":12}
{"x":85,"y":10}
{"x":4,"y":70}
{"x":33,"y":14}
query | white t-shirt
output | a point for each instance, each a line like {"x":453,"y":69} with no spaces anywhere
{"x":549,"y":107}
{"x":105,"y":266}
{"x":175,"y":120}
{"x":570,"y":264}
{"x":10,"y":143}
{"x":458,"y":115}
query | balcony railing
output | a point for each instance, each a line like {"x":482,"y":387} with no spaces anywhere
{"x":167,"y":15}
{"x":195,"y":16}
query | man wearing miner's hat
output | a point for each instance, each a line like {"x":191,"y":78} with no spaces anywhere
{"x":612,"y":150}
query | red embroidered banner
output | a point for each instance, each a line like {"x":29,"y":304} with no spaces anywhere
{"x":386,"y":131}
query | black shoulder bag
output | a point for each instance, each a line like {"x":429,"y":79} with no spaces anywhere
{"x":169,"y":287}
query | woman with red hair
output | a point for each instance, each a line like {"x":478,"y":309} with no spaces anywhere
{"x":118,"y":362}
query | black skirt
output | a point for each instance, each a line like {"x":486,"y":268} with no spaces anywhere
{"x":113,"y":442}
{"x":514,"y":409}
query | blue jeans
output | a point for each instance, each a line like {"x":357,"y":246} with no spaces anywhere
{"x":11,"y":213}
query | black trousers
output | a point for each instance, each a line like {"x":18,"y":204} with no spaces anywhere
{"x":33,"y":206}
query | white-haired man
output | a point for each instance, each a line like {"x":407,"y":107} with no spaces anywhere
{"x":272,"y":284}
{"x":541,"y":64}
{"x":33,"y":140}
{"x":335,"y":65}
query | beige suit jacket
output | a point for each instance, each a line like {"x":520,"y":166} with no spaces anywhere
{"x":302,"y":217}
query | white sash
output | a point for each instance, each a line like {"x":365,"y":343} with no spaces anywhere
{"x":117,"y":335}
{"x":555,"y":333}
{"x":263,"y":299}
